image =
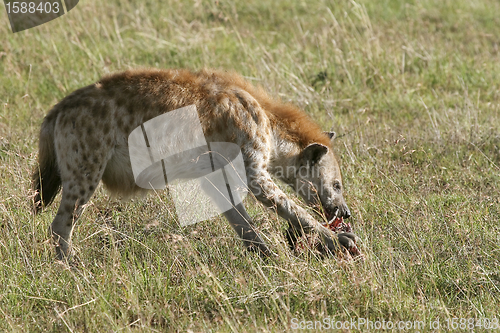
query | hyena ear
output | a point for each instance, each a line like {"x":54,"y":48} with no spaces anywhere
{"x":313,"y":153}
{"x":331,"y":135}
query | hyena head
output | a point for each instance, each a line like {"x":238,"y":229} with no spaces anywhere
{"x":318,"y":180}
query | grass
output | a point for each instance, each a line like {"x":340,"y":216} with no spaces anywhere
{"x":411,"y":88}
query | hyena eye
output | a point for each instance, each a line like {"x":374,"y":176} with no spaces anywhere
{"x":337,"y":186}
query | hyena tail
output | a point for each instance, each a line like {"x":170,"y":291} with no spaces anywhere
{"x":46,"y":180}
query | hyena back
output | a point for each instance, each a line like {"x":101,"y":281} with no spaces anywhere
{"x":84,"y":139}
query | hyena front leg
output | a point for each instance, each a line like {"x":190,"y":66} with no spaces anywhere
{"x":237,"y":217}
{"x":267,"y":192}
{"x":240,"y":221}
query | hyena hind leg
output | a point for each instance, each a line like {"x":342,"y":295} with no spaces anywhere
{"x":74,"y":196}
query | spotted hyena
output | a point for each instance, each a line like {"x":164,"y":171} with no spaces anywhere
{"x":83,"y":140}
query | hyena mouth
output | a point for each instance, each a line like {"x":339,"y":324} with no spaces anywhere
{"x":335,"y":222}
{"x":332,"y":215}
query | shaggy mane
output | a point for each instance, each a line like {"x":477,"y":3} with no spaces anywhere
{"x":299,"y":127}
{"x":294,"y":124}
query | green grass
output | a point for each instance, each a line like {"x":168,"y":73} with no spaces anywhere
{"x":412,"y":89}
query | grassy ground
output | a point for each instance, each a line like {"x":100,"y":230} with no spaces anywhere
{"x":412,"y":89}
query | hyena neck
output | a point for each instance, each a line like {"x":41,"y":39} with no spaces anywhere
{"x":292,"y":131}
{"x":285,"y":156}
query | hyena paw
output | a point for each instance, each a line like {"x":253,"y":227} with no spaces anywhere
{"x":261,"y":249}
{"x":62,"y":255}
{"x":62,"y":250}
{"x":347,"y":241}
{"x":341,"y":243}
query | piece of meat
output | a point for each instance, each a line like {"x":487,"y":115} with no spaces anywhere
{"x":338,"y":225}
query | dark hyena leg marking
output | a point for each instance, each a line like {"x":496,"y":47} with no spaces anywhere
{"x":240,"y":221}
{"x":237,"y":217}
{"x":292,"y":236}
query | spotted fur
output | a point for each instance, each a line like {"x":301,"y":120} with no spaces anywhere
{"x":83,"y":140}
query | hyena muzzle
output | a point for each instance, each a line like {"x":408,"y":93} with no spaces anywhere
{"x":83,"y":140}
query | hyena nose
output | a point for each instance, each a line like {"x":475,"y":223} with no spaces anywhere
{"x":347,"y":213}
